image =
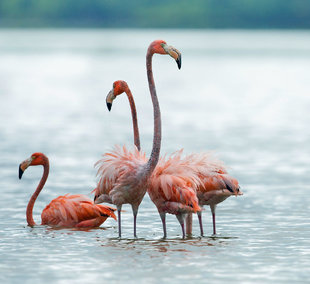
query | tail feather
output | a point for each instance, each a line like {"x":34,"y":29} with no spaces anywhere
{"x":107,"y":210}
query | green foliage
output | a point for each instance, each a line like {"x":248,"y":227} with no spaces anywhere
{"x":152,"y":14}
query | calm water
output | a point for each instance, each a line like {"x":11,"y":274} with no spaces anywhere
{"x":244,"y":95}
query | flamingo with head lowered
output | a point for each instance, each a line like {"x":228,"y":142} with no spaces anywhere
{"x":170,"y":185}
{"x":68,"y":211}
{"x":215,"y":185}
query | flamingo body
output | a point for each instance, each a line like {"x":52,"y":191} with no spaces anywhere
{"x":215,"y":183}
{"x":172,"y":187}
{"x":122,"y":180}
{"x":75,"y":211}
{"x":120,"y":173}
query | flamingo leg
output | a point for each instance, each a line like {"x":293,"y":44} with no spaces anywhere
{"x":119,"y":208}
{"x":200,"y":222}
{"x":180,"y":218}
{"x":135,"y":213}
{"x":213,"y":218}
{"x":163,"y":220}
{"x":189,"y":224}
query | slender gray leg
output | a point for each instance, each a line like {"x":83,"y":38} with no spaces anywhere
{"x":189,"y":224}
{"x":135,"y":213}
{"x":213,"y":217}
{"x":163,"y":219}
{"x":200,"y":222}
{"x":119,"y":208}
{"x":180,"y":218}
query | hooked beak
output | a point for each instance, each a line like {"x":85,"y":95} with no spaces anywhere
{"x":235,"y":191}
{"x":99,"y":199}
{"x":179,"y":61}
{"x":23,"y":166}
{"x":109,"y":99}
{"x":174,"y":53}
{"x":109,"y":106}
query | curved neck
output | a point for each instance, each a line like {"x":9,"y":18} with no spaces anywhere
{"x":134,"y":118}
{"x":152,"y":162}
{"x":34,"y":196}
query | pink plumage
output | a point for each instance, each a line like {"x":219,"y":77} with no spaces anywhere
{"x":172,"y":183}
{"x":172,"y":188}
{"x":75,"y":211}
{"x":122,"y":180}
{"x":215,"y":183}
{"x":118,"y":173}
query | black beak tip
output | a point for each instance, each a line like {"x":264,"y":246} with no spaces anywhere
{"x":179,"y":62}
{"x":230,"y":188}
{"x":109,"y":106}
{"x":20,"y":172}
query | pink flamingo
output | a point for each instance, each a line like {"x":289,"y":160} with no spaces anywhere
{"x":68,"y":211}
{"x":120,"y":185}
{"x":215,"y":185}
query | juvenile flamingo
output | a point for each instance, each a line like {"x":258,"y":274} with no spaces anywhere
{"x":68,"y":211}
{"x":127,"y":183}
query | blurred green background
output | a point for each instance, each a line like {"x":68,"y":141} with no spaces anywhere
{"x":243,"y":14}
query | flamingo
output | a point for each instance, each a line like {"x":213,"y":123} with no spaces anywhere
{"x":117,"y":168}
{"x":68,"y":211}
{"x":215,"y":185}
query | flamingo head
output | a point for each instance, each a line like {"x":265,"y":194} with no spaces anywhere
{"x":234,"y":189}
{"x":34,"y":160}
{"x":119,"y":87}
{"x":161,"y":47}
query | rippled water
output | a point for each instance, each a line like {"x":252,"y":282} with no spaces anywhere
{"x":244,"y":95}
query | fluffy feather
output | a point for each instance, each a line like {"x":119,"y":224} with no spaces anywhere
{"x":118,"y":172}
{"x":172,"y":185}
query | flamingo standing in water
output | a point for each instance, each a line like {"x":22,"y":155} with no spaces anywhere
{"x":215,"y":185}
{"x":170,"y":184}
{"x":68,"y":211}
{"x":120,"y":167}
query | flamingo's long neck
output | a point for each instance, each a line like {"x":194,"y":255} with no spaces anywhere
{"x":152,"y":162}
{"x":34,"y":196}
{"x":134,"y":118}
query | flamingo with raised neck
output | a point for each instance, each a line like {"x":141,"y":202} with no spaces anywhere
{"x":68,"y":211}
